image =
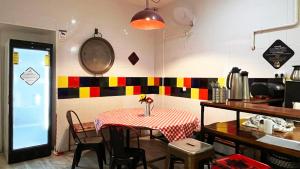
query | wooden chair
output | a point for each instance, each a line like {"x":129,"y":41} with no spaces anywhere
{"x":120,"y":153}
{"x":85,"y":143}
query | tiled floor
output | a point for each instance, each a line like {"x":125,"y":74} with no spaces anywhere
{"x":154,"y":149}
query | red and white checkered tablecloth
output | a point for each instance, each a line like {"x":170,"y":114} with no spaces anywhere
{"x":173,"y":124}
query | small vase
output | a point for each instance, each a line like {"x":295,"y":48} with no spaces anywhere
{"x":147,"y":110}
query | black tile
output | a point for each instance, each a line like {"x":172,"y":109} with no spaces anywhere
{"x":160,"y":81}
{"x":143,"y":81}
{"x":104,"y":81}
{"x":89,"y":81}
{"x":144,"y":90}
{"x":170,"y":82}
{"x":178,"y":92}
{"x":195,"y":82}
{"x":133,"y":81}
{"x":149,"y":90}
{"x":153,"y":90}
{"x":68,"y":93}
{"x":209,"y":94}
{"x":175,"y":91}
{"x":112,"y":91}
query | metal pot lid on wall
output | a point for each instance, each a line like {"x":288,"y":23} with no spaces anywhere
{"x":96,"y":54}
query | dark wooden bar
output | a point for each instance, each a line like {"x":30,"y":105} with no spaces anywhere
{"x":252,"y":107}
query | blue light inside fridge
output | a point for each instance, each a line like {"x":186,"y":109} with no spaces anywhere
{"x":31,"y":98}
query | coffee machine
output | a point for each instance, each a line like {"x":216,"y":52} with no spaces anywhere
{"x":238,"y":84}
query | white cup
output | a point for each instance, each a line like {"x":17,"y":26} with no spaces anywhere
{"x":296,"y":105}
{"x":268,"y":126}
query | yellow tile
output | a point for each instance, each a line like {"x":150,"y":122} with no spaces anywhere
{"x":161,"y":90}
{"x":129,"y":90}
{"x":195,"y":93}
{"x":62,"y":82}
{"x":180,"y":82}
{"x":222,"y":81}
{"x":150,"y":81}
{"x":113,"y":81}
{"x":84,"y":92}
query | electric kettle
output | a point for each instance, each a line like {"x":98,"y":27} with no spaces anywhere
{"x":296,"y":73}
{"x":234,"y":84}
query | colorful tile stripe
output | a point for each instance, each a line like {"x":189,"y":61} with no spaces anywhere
{"x":70,"y":87}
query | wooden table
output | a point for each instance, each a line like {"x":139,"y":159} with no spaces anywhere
{"x":234,"y":132}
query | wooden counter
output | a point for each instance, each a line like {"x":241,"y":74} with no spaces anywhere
{"x":238,"y":134}
{"x":248,"y":136}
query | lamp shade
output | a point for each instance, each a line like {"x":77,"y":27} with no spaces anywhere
{"x":147,"y":19}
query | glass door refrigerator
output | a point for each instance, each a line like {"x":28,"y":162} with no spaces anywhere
{"x":30,"y":75}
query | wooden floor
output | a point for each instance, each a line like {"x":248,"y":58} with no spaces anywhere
{"x":154,"y":149}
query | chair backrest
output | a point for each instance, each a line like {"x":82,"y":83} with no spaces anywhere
{"x":71,"y":125}
{"x":115,"y":141}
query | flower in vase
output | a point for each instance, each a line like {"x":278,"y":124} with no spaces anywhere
{"x":144,"y":98}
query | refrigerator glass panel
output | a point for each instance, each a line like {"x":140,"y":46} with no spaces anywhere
{"x":30,"y":97}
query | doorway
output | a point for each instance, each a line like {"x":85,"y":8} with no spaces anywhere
{"x":30,"y":93}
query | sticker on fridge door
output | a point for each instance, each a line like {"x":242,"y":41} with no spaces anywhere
{"x":16,"y":58}
{"x":30,"y":76}
{"x":47,"y":60}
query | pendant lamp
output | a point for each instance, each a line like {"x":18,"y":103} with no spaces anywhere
{"x":147,"y":19}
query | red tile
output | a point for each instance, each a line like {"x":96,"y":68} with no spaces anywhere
{"x":94,"y":91}
{"x":168,"y":90}
{"x":74,"y":82}
{"x":136,"y":90}
{"x":187,"y":82}
{"x":203,"y":94}
{"x":121,"y":81}
{"x":156,"y":81}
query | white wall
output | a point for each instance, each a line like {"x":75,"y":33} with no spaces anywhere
{"x":112,"y":18}
{"x":221,"y":39}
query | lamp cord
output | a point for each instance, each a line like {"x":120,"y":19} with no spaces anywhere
{"x":155,"y":1}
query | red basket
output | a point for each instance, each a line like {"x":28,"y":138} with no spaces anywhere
{"x":238,"y":161}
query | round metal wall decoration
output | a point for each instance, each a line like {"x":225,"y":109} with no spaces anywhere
{"x":96,"y":54}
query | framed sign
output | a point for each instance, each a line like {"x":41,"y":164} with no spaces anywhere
{"x":278,"y":54}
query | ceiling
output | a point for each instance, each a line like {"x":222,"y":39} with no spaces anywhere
{"x":152,"y":4}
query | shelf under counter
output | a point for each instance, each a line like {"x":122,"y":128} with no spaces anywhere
{"x":248,"y":136}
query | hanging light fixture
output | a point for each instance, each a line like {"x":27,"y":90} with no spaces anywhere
{"x":147,"y":19}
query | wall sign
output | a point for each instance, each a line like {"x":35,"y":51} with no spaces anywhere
{"x":30,"y":76}
{"x":278,"y":54}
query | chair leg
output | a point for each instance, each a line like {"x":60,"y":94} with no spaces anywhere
{"x":171,"y":163}
{"x":100,"y":158}
{"x":119,"y":166}
{"x":75,"y":158}
{"x":103,"y":153}
{"x":144,"y":161}
{"x":78,"y":156}
{"x":112,"y":164}
{"x":130,"y":165}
